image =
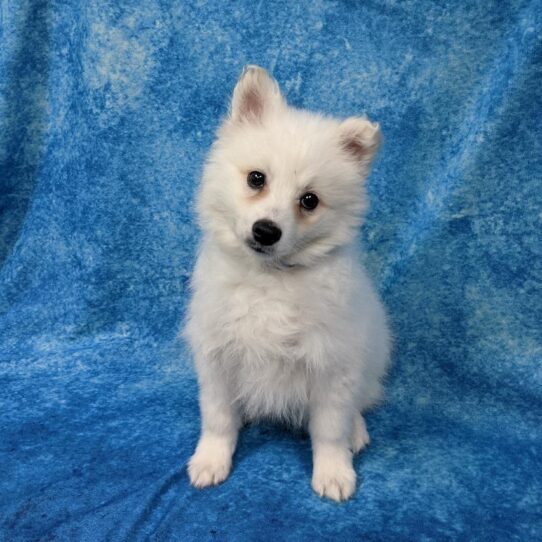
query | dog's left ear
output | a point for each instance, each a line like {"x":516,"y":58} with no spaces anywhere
{"x":360,"y":138}
{"x":255,"y":95}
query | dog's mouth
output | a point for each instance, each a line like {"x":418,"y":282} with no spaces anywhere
{"x":272,"y":259}
{"x":257,"y":247}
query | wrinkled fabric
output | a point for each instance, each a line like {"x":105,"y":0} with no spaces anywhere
{"x":107,"y":111}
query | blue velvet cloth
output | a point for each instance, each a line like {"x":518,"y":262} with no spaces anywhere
{"x":107,"y":110}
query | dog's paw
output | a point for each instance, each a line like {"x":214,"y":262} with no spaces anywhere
{"x":208,"y":469}
{"x":360,"y":436}
{"x":336,"y":482}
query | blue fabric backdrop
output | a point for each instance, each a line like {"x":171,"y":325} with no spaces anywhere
{"x":106,"y":113}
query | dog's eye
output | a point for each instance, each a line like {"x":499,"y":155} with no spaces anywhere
{"x":256,"y":179}
{"x":309,"y":201}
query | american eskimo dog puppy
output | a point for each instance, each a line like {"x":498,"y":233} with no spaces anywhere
{"x":284,"y":323}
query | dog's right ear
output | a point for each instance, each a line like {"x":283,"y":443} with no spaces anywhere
{"x":256,"y":95}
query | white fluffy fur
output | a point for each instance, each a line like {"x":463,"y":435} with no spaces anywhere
{"x":296,"y":334}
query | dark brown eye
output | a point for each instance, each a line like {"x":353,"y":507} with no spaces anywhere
{"x":309,"y":201}
{"x":256,"y":179}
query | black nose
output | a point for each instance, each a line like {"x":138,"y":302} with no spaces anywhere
{"x":265,"y":232}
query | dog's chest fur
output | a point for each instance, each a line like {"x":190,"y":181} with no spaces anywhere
{"x":268,"y":362}
{"x":266,"y":333}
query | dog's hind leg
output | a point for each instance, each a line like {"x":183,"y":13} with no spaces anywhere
{"x":360,"y":436}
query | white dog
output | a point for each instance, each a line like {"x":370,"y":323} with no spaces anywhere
{"x":284,"y":323}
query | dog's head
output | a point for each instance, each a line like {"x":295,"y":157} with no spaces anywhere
{"x":282,"y":185}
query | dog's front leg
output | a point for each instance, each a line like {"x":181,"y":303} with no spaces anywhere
{"x":220,"y":423}
{"x":331,"y":414}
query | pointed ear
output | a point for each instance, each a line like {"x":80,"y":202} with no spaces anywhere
{"x":255,"y":95}
{"x":360,"y":138}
